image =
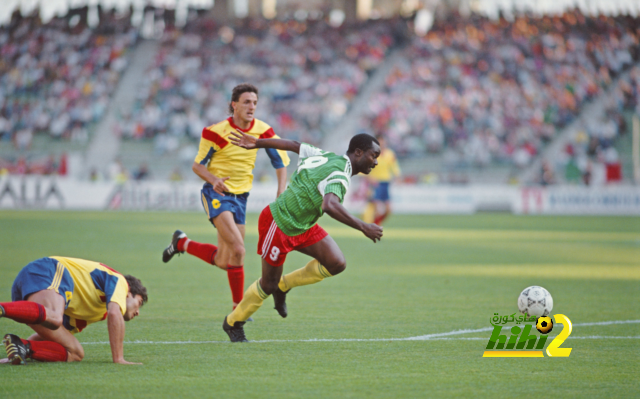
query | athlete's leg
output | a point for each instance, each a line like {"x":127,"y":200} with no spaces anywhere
{"x":54,"y":305}
{"x":231,"y":238}
{"x":256,"y":293}
{"x":327,"y":261}
{"x":223,"y":257}
{"x":328,"y":253}
{"x":386,"y":205}
{"x":369,"y":212}
{"x":59,"y":345}
{"x":231,"y":253}
{"x":45,"y":307}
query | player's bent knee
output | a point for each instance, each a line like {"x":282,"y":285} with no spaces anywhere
{"x":53,"y":321}
{"x":337,"y":266}
{"x":239,"y":251}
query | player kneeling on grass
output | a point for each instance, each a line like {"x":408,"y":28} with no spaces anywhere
{"x":318,"y":186}
{"x":58,"y":297}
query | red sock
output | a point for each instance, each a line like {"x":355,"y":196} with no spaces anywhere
{"x":47,"y":351}
{"x":24,"y":312}
{"x":206,"y":252}
{"x":236,"y":282}
{"x":181,"y":244}
{"x":379,"y":219}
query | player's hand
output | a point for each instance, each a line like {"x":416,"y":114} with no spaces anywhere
{"x":122,"y":361}
{"x":4,"y":361}
{"x":243,"y":140}
{"x":373,"y":231}
{"x":219,"y":186}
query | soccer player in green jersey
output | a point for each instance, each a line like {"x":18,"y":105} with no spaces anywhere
{"x":318,"y":186}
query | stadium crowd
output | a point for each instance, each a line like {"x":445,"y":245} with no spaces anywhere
{"x":591,"y":157}
{"x":307,"y":72}
{"x":56,"y":79}
{"x":481,"y":91}
{"x":475,"y":90}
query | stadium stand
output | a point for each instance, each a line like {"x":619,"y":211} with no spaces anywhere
{"x":55,"y":84}
{"x":474,"y":94}
{"x":307,"y":73}
{"x":481,"y":92}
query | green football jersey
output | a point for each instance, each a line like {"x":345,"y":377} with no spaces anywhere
{"x":318,"y":173}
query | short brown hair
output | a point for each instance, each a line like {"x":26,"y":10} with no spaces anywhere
{"x":136,"y":287}
{"x":237,"y":92}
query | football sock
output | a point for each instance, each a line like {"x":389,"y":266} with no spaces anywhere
{"x":253,"y":298}
{"x":183,"y":244}
{"x":380,"y":219}
{"x":236,"y":282}
{"x":47,"y":351}
{"x":24,"y":312}
{"x":369,"y":213}
{"x":312,"y":273}
{"x":206,"y":252}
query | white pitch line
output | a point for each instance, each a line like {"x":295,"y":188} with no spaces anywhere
{"x":428,"y":337}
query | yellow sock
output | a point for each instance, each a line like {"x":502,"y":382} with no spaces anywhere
{"x":253,"y":298}
{"x":312,"y":273}
{"x":369,"y":213}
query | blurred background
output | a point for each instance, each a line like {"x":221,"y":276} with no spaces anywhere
{"x":527,"y":106}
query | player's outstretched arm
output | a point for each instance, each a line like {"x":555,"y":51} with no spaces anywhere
{"x":249,"y":142}
{"x":331,"y":206}
{"x":115,"y":323}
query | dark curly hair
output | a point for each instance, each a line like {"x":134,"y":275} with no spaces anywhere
{"x":362,"y":141}
{"x":237,"y":92}
{"x":136,"y":288}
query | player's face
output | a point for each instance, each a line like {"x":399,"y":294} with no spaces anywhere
{"x":133,"y":306}
{"x":369,"y":159}
{"x":245,"y":107}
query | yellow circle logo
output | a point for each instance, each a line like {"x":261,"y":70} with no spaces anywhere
{"x":544,"y":324}
{"x":215,"y":203}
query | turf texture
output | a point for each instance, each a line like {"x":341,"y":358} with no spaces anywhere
{"x":428,"y":275}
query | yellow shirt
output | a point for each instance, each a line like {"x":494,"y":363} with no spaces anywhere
{"x":224,"y":159}
{"x":387,"y":167}
{"x":95,"y":285}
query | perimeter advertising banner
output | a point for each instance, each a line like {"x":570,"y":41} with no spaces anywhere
{"x":33,"y":192}
{"x":556,"y":200}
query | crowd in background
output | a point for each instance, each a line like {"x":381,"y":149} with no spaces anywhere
{"x":307,"y":72}
{"x":591,"y":156}
{"x":57,"y":80}
{"x":482,"y":91}
{"x":476,"y":91}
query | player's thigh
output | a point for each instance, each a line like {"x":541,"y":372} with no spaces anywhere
{"x":242,"y":229}
{"x":52,"y":301}
{"x":228,"y":231}
{"x":64,"y":338}
{"x":328,"y":253}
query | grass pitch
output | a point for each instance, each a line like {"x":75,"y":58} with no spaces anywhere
{"x":429,"y":275}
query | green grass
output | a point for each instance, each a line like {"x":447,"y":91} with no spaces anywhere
{"x":429,"y":275}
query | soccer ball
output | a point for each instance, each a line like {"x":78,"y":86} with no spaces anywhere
{"x":535,"y":301}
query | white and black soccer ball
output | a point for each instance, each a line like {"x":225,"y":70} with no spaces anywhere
{"x":535,"y":301}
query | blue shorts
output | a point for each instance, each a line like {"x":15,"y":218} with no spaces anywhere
{"x":381,"y":192}
{"x":43,"y":274}
{"x":214,"y":204}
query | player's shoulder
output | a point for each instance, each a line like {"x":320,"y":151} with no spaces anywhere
{"x":307,"y":150}
{"x":217,"y":132}
{"x":219,"y":127}
{"x":262,"y":129}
